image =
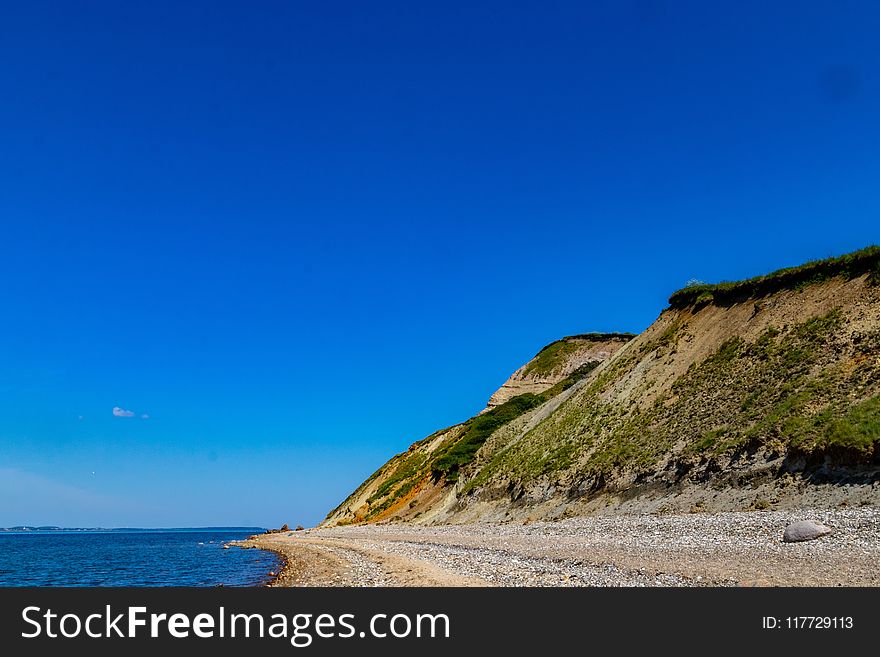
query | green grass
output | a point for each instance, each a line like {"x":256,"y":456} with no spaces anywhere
{"x":757,"y":393}
{"x":551,"y":357}
{"x":836,"y":429}
{"x":816,"y":329}
{"x":411,"y":467}
{"x":874,"y":276}
{"x":478,"y":431}
{"x":785,"y":391}
{"x":851,"y":265}
{"x":858,"y":429}
{"x":408,"y":466}
{"x":556,"y":354}
{"x":728,"y":350}
{"x":480,"y":428}
{"x":669,"y":337}
{"x":782,"y":402}
{"x":709,"y":441}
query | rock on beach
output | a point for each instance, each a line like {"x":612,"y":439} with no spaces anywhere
{"x":804,"y":530}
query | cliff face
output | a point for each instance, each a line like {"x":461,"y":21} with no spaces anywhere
{"x":412,"y":483}
{"x":758,"y":394}
{"x":557,"y":361}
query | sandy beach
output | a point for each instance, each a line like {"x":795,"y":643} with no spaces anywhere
{"x":698,"y":549}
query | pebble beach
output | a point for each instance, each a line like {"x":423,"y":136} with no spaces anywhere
{"x":695,"y":549}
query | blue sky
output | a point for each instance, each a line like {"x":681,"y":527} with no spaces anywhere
{"x":300,"y":235}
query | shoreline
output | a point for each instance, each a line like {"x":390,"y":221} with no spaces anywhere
{"x":272,"y":577}
{"x":697,"y":549}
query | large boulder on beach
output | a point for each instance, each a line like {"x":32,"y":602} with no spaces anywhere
{"x":804,"y":530}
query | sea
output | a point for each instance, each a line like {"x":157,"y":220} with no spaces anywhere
{"x":132,"y":557}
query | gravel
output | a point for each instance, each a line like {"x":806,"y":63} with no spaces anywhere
{"x":359,"y":571}
{"x":735,"y":548}
{"x":507,"y":568}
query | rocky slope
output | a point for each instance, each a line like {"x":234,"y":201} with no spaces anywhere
{"x":757,"y":394}
{"x":425,"y":472}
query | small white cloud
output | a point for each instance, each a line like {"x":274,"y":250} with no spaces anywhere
{"x":121,"y":412}
{"x":145,"y":416}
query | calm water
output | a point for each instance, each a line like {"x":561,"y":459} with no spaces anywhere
{"x":131,"y":558}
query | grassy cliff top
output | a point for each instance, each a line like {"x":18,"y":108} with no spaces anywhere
{"x":851,"y":265}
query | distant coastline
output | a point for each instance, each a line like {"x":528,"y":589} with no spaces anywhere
{"x":52,"y":528}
